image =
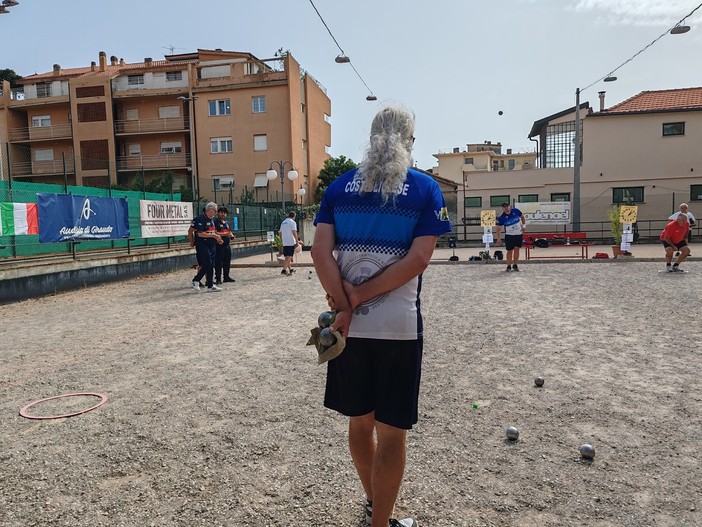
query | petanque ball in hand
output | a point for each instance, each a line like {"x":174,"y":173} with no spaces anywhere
{"x":539,"y":381}
{"x":326,"y":338}
{"x":587,"y":451}
{"x":512,"y":433}
{"x":326,"y":319}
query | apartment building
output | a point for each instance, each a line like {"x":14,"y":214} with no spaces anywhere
{"x":643,"y":151}
{"x":461,"y":165}
{"x":215,"y":120}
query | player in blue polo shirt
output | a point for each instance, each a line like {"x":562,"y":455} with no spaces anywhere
{"x":515,"y":224}
{"x":376,"y":231}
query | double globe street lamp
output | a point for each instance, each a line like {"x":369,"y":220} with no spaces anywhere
{"x":271,"y":174}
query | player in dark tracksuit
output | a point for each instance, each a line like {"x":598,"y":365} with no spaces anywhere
{"x":206,"y":241}
{"x":223,"y":258}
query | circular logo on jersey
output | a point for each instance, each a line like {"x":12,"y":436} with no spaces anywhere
{"x":362,"y":269}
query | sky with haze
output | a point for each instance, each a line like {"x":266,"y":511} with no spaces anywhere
{"x":455,"y":63}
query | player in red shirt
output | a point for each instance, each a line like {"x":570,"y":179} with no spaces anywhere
{"x":674,"y":238}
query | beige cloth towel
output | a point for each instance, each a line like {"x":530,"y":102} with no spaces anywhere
{"x":324,"y":353}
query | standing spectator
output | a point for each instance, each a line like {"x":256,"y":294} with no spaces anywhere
{"x":376,"y":231}
{"x":673,"y":238}
{"x":191,"y":241}
{"x":223,"y":257}
{"x":515,"y":224}
{"x":206,"y":241}
{"x":290,"y":240}
{"x":690,"y":218}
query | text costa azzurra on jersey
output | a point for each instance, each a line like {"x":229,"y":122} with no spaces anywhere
{"x":355,"y":185}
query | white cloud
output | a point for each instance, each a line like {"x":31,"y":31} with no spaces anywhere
{"x":639,"y":12}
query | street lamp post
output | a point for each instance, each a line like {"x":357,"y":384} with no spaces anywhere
{"x":271,"y":174}
{"x":301,"y":192}
{"x":193,"y":145}
{"x":576,"y":165}
{"x":678,"y":29}
{"x":576,"y":160}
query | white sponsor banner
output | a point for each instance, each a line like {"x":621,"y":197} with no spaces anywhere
{"x":164,"y":218}
{"x":546,"y":212}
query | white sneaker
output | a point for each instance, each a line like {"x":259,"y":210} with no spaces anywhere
{"x":214,"y":289}
{"x":196,"y":285}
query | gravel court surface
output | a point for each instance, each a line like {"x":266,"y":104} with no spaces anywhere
{"x":215,"y":417}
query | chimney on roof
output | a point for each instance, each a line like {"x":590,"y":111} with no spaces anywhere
{"x":602,"y":100}
{"x":57,"y":69}
{"x":113,"y":60}
{"x":93,"y":66}
{"x":121,"y":62}
{"x":456,"y":150}
{"x":103,"y":61}
{"x":509,"y":151}
{"x":148,"y":61}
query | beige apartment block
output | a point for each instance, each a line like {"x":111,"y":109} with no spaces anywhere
{"x":215,"y":120}
{"x":644,"y":151}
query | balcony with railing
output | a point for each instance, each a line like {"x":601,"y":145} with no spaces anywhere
{"x":42,"y":168}
{"x":41,"y":133}
{"x":153,"y":162}
{"x":150,"y":126}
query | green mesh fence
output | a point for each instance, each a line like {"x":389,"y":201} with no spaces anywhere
{"x":29,"y":245}
{"x":251,"y":221}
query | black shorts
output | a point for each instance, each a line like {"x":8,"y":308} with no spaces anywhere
{"x":380,"y":376}
{"x":288,"y":250}
{"x":679,"y":245}
{"x":512,"y":241}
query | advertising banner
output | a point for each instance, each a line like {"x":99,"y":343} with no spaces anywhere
{"x":164,"y":218}
{"x":65,"y":218}
{"x":546,"y":212}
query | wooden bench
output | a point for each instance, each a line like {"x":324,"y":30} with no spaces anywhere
{"x":558,"y":239}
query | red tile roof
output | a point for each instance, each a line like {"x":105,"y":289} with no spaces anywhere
{"x":660,"y":101}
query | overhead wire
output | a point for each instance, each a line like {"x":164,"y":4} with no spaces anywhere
{"x":610,"y":74}
{"x":371,"y":96}
{"x":326,"y":26}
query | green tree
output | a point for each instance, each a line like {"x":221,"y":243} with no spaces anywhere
{"x":332,"y":169}
{"x":10,"y":76}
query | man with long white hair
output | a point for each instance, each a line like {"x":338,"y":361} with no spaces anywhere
{"x":376,"y":231}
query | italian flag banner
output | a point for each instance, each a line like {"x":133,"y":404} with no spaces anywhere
{"x":18,"y":218}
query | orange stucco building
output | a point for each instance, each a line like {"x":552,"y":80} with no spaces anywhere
{"x":215,"y":120}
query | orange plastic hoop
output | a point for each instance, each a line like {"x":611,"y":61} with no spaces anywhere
{"x":23,"y":411}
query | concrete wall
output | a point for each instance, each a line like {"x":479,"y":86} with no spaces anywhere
{"x":22,"y":279}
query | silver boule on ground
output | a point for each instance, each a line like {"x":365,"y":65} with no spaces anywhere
{"x":587,"y":451}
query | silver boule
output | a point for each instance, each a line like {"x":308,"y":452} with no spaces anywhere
{"x":587,"y":451}
{"x":512,"y":433}
{"x":539,"y":381}
{"x":326,"y":337}
{"x":326,"y":319}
